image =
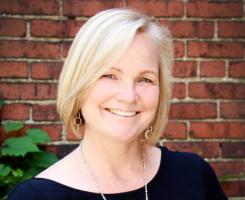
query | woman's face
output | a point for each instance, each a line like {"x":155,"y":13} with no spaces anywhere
{"x":122,"y":103}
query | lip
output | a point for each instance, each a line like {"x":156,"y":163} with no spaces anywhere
{"x":122,"y":113}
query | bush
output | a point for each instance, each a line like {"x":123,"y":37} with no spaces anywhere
{"x":20,"y":157}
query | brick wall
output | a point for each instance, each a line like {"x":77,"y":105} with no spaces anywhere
{"x":208,"y":108}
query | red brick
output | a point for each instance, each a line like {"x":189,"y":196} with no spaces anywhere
{"x":192,"y":111}
{"x":36,"y":7}
{"x":184,"y":69}
{"x":188,"y":29}
{"x":88,"y":8}
{"x":11,"y":69}
{"x":234,"y":188}
{"x":232,"y":110}
{"x":158,"y":7}
{"x":12,"y":27}
{"x":228,"y":168}
{"x":233,"y":150}
{"x":51,"y":148}
{"x":231,"y":29}
{"x":179,"y":49}
{"x":30,"y":49}
{"x":64,"y":149}
{"x":15,"y":111}
{"x":214,"y":9}
{"x":216,"y":49}
{"x":18,"y":91}
{"x":204,"y":149}
{"x":237,"y":69}
{"x":46,"y":70}
{"x":48,"y":28}
{"x":178,"y":91}
{"x":72,"y":136}
{"x":66,"y":48}
{"x":217,"y":90}
{"x":54,"y":130}
{"x":44,"y":113}
{"x":217,"y":130}
{"x":204,"y":29}
{"x":4,"y":135}
{"x":212,"y":69}
{"x":175,"y":130}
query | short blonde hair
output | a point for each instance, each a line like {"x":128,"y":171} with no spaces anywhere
{"x":100,"y":42}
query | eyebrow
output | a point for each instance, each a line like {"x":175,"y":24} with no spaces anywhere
{"x":143,"y":72}
{"x":148,"y":71}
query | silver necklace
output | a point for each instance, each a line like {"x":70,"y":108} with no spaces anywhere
{"x":93,"y":178}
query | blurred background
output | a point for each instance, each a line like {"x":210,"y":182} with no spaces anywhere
{"x":208,"y":109}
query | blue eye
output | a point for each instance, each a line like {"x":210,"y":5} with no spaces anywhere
{"x":146,"y":80}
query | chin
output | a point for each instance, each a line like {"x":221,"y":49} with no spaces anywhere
{"x":124,"y":136}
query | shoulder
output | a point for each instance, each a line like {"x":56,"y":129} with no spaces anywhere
{"x":30,"y":189}
{"x":185,"y":162}
{"x":68,"y":172}
{"x":48,"y":184}
{"x":184,"y":158}
{"x":191,"y":170}
{"x":62,"y":171}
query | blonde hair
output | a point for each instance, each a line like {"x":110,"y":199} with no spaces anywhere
{"x":100,"y":42}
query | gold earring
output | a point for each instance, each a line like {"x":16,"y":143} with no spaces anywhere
{"x":148,"y":132}
{"x":78,"y":121}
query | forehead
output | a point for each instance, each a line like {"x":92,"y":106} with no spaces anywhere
{"x":142,"y":55}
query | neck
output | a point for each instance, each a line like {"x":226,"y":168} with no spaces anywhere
{"x":112,"y":157}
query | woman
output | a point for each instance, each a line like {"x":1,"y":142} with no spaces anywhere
{"x":114,"y":90}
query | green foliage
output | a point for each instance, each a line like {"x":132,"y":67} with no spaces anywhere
{"x":1,"y":102}
{"x":18,"y":146}
{"x":20,"y":157}
{"x":10,"y":126}
{"x":38,"y":136}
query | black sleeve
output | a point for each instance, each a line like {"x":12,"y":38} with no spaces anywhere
{"x":212,"y":186}
{"x":24,"y":191}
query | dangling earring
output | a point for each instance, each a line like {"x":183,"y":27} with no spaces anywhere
{"x":78,"y":121}
{"x":148,"y":132}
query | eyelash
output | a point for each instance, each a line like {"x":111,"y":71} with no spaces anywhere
{"x":111,"y":76}
{"x":146,"y":80}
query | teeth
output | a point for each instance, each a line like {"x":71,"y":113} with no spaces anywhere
{"x":121,"y":113}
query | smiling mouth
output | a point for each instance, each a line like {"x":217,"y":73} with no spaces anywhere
{"x":122,"y":113}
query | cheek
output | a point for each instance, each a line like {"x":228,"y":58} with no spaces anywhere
{"x":99,"y":93}
{"x":103,"y":89}
{"x":150,"y":97}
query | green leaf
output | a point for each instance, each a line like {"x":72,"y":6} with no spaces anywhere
{"x":10,"y":180}
{"x":4,"y":170}
{"x":10,"y":126}
{"x":1,"y":166}
{"x":17,"y":173}
{"x":38,"y":135}
{"x":1,"y":102}
{"x":4,"y":197}
{"x":18,"y":146}
{"x":31,"y":172}
{"x":44,"y":159}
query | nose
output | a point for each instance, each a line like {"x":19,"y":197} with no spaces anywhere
{"x":128,"y":94}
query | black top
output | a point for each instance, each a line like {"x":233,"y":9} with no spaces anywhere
{"x":181,"y":176}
